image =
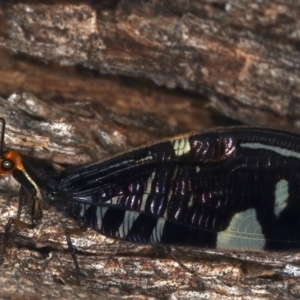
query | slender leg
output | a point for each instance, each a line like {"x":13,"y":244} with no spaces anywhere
{"x":17,"y":223}
{"x":36,"y":210}
{"x":76,"y":231}
{"x":169,"y":250}
{"x":23,"y":195}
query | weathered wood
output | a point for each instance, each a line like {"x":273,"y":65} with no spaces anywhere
{"x":242,"y":55}
{"x":37,"y":263}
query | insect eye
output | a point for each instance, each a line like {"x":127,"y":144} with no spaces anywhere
{"x":7,"y":164}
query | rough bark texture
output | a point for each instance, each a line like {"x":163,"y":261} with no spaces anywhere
{"x":242,"y":55}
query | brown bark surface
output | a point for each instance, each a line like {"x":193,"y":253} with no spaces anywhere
{"x":243,"y":56}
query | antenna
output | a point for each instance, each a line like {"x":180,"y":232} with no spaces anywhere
{"x":2,"y":120}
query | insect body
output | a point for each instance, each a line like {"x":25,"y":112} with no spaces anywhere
{"x":235,"y":187}
{"x":226,"y":188}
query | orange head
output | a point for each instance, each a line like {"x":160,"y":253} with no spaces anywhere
{"x":9,"y":161}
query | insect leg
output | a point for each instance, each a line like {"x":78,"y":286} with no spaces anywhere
{"x":15,"y":221}
{"x":18,"y":223}
{"x":181,"y":264}
{"x":76,"y":231}
{"x":167,"y":249}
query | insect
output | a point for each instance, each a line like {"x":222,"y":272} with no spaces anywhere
{"x":234,"y":188}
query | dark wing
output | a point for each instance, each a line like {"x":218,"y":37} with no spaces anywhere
{"x":226,"y":188}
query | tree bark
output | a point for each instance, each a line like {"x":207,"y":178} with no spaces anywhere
{"x":243,"y":56}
